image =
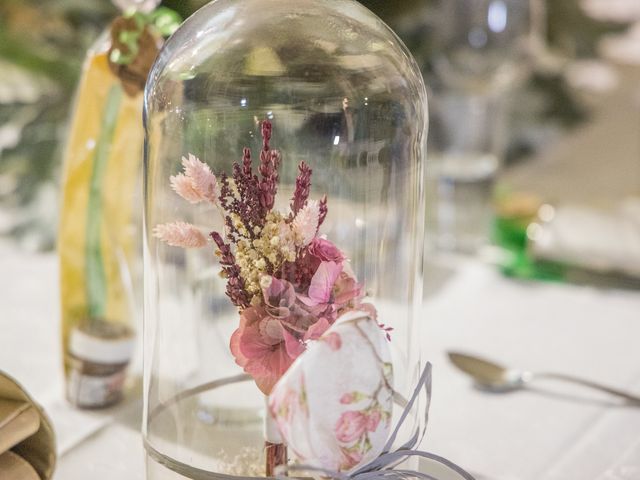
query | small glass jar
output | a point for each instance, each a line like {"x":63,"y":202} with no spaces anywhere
{"x":99,"y":354}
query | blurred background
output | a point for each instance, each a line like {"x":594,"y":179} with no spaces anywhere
{"x":578,"y":64}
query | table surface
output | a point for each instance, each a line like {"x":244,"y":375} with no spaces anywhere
{"x":550,"y":433}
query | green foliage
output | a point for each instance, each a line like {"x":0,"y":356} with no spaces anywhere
{"x":42,"y":45}
{"x":572,"y":32}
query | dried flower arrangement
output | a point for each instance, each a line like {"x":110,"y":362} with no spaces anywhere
{"x":289,"y":283}
{"x":293,"y":286}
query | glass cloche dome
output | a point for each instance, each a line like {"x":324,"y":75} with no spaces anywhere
{"x":285,"y":147}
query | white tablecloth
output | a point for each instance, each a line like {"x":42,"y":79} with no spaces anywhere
{"x":556,"y":433}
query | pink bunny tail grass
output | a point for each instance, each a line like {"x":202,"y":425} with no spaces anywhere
{"x":198,"y":182}
{"x":306,"y":222}
{"x":180,"y":234}
{"x":183,"y":186}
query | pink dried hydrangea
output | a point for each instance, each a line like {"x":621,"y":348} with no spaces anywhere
{"x":260,"y":351}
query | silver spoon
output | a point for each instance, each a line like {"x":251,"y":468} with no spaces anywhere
{"x":498,"y":378}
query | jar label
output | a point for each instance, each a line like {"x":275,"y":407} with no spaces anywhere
{"x":89,"y":391}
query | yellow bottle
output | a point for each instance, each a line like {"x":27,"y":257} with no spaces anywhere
{"x":99,"y":231}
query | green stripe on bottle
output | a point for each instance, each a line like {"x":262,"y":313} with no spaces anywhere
{"x":95,"y":271}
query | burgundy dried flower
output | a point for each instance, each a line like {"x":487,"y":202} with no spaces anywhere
{"x":248,"y":203}
{"x":269,"y":164}
{"x":266,"y":133}
{"x":249,"y":197}
{"x":246,"y":162}
{"x":387,"y":330}
{"x":235,"y":284}
{"x":323,"y":210}
{"x":303,"y":187}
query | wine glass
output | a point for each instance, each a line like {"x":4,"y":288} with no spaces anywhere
{"x":483,"y":43}
{"x":483,"y":48}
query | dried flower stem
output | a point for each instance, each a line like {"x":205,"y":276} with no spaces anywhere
{"x":303,"y":187}
{"x":269,"y":164}
{"x":323,"y":211}
{"x":235,"y":284}
{"x":276,"y":454}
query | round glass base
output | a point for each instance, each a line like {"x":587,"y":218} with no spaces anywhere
{"x":220,"y":440}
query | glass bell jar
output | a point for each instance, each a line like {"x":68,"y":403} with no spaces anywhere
{"x":284,"y":162}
